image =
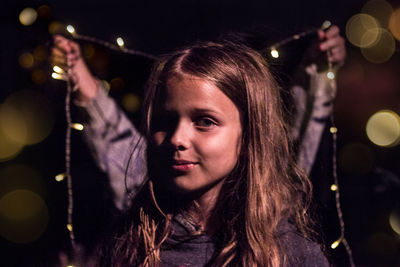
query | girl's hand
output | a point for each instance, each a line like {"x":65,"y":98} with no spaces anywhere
{"x":67,"y":55}
{"x":334,"y":43}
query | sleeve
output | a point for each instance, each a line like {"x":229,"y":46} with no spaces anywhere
{"x":116,"y":145}
{"x":313,"y":110}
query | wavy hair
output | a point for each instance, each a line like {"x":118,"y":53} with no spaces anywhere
{"x":265,"y":188}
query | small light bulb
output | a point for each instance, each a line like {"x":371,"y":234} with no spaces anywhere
{"x":326,"y":24}
{"x":120,"y":42}
{"x":71,"y":29}
{"x":69,"y":227}
{"x":334,"y":187}
{"x":274,"y":53}
{"x":57,"y":69}
{"x":330,"y":75}
{"x":58,"y":76}
{"x":333,"y":130}
{"x":60,"y":177}
{"x":336,"y":243}
{"x":77,"y":126}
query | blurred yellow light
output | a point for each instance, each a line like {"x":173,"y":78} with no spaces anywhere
{"x":38,"y":76}
{"x":381,"y":51}
{"x":26,"y":60}
{"x":330,"y":75}
{"x":40,"y":53}
{"x":27,"y":16}
{"x":379,"y":9}
{"x":57,"y":69}
{"x":77,"y":126}
{"x":394,"y":221}
{"x":394,"y":24}
{"x":58,"y":76}
{"x":23,"y":216}
{"x":69,"y":227}
{"x":60,"y":177}
{"x":71,"y":29}
{"x":362,"y":30}
{"x":120,"y":42}
{"x":130,"y":102}
{"x":336,"y":243}
{"x":26,"y":117}
{"x":333,"y":130}
{"x":56,"y":27}
{"x":274,"y":53}
{"x":117,"y":84}
{"x":383,"y":128}
{"x":334,"y":187}
{"x":44,"y":12}
{"x":9,"y":148}
{"x":326,"y":24}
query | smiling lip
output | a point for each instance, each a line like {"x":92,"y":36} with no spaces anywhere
{"x":183,"y":165}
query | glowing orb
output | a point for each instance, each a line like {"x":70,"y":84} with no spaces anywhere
{"x":383,"y":128}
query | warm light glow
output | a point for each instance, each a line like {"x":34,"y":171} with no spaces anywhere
{"x":77,"y":126}
{"x":88,"y":51}
{"x":57,"y":69}
{"x":58,"y":76}
{"x":383,"y":128}
{"x":44,"y":12}
{"x":131,"y":102}
{"x":69,"y":227}
{"x":362,"y":30}
{"x":336,"y":243}
{"x":56,"y":27}
{"x":394,"y":24}
{"x":26,"y":60}
{"x":333,"y":130}
{"x":71,"y":29}
{"x":274,"y":53}
{"x":9,"y":148}
{"x":379,"y":9}
{"x":334,"y":187}
{"x":120,"y":42}
{"x":330,"y":75}
{"x":39,"y":76}
{"x":40,"y":53}
{"x":394,"y":221}
{"x":382,"y":50}
{"x":23,"y":216}
{"x":26,"y":117}
{"x":27,"y":16}
{"x":117,"y":84}
{"x":60,"y":177}
{"x":326,"y":24}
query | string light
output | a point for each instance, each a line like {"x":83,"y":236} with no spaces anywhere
{"x":120,"y":42}
{"x":58,"y":76}
{"x":71,"y":29}
{"x":336,"y":243}
{"x":274,"y":53}
{"x":58,"y":70}
{"x":330,"y":75}
{"x":60,"y":177}
{"x":69,"y":227}
{"x":77,"y":126}
{"x":334,"y":187}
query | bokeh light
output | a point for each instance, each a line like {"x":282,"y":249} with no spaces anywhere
{"x":25,"y":117}
{"x":131,"y":102}
{"x":26,"y":60}
{"x":39,"y":76}
{"x":117,"y":84}
{"x":394,"y":24}
{"x":9,"y":148}
{"x":44,"y":12}
{"x":71,"y":29}
{"x":356,"y":159}
{"x":55,"y":27}
{"x":394,"y":221}
{"x":274,"y":53}
{"x":120,"y":42}
{"x":88,"y":51}
{"x":27,"y":16}
{"x":379,"y":9}
{"x":383,"y":128}
{"x":23,"y":216}
{"x":40,"y":53}
{"x":362,"y":30}
{"x":20,"y":176}
{"x":382,"y":50}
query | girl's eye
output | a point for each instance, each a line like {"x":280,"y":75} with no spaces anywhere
{"x":205,"y":123}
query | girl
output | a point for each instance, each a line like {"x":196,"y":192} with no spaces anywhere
{"x":221,"y":188}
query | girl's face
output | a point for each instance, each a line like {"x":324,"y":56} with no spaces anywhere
{"x":196,"y":131}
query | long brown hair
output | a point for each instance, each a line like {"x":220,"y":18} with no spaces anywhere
{"x":264,"y":189}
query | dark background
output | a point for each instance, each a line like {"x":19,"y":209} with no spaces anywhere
{"x":368,"y":174}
